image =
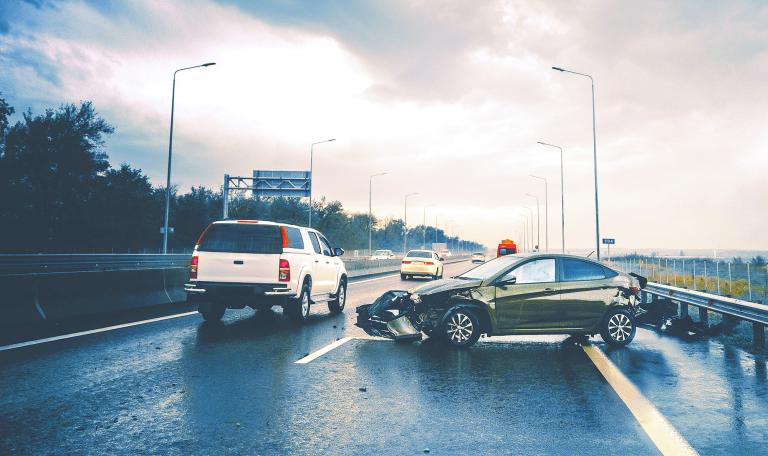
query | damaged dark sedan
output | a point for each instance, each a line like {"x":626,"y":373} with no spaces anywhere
{"x":514,"y":294}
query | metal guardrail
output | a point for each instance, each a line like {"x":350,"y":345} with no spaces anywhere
{"x":51,"y":264}
{"x":755,"y":313}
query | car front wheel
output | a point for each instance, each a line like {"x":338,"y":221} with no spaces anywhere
{"x":461,"y":328}
{"x":618,"y":327}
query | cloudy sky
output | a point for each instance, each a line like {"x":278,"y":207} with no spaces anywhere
{"x":448,"y":97}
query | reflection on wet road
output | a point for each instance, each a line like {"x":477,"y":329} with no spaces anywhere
{"x":183,"y":386}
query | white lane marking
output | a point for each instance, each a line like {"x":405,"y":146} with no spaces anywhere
{"x":324,"y":350}
{"x":375,"y":278}
{"x":661,"y":432}
{"x":92,"y":331}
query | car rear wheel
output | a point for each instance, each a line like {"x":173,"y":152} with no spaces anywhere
{"x":211,"y":311}
{"x":298,"y":309}
{"x":337,"y":304}
{"x":618,"y":327}
{"x":461,"y":328}
{"x":403,"y":277}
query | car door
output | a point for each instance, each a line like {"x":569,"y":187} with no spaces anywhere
{"x":585,"y":292}
{"x":319,"y":266}
{"x":332,"y":264}
{"x":532,"y":301}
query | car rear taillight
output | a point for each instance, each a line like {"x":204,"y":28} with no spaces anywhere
{"x":193,"y":267}
{"x":284,"y":271}
{"x":406,"y":262}
{"x":429,"y":262}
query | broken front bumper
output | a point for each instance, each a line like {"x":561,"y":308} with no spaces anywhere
{"x":389,"y":316}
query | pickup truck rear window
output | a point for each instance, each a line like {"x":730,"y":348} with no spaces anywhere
{"x":295,"y":241}
{"x":242,"y":238}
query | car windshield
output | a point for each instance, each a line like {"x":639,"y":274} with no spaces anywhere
{"x":490,"y":268}
{"x":419,"y":254}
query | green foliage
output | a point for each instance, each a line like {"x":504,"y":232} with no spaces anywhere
{"x":58,"y":193}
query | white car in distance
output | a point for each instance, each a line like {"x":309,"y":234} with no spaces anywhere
{"x":382,"y":255}
{"x":421,"y":263}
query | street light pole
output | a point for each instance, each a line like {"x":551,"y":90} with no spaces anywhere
{"x":562,"y":194}
{"x":405,"y":223}
{"x":424,"y":225}
{"x":170,"y":152}
{"x":538,"y":221}
{"x":311,"y":177}
{"x":594,"y":157}
{"x":546,"y":210}
{"x":525,"y":232}
{"x":530,"y":210}
{"x":370,"y":211}
{"x":436,"y":219}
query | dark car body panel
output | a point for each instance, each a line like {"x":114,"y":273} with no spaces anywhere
{"x":554,"y":307}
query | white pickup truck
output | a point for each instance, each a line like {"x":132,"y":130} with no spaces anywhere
{"x":238,"y":263}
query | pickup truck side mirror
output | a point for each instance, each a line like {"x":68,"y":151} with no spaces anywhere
{"x":338,"y":251}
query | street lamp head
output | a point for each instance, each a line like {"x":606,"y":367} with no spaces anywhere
{"x":332,"y":139}
{"x":557,"y":68}
{"x":539,"y":142}
{"x":208,"y":64}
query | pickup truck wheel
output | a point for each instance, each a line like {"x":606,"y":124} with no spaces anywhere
{"x":298,"y":309}
{"x":211,"y":311}
{"x":403,"y":277}
{"x":337,"y":304}
{"x":618,"y":327}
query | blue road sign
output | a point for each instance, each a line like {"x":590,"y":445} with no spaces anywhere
{"x":291,"y":184}
{"x":609,"y":241}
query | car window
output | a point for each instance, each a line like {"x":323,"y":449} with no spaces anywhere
{"x":295,"y":241}
{"x":537,"y":271}
{"x":242,"y":238}
{"x":490,"y":268}
{"x":420,"y":254}
{"x":574,"y":270}
{"x":325,"y":245}
{"x":315,"y":242}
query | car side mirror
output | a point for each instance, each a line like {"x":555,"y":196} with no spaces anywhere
{"x":509,"y":281}
{"x":338,"y":251}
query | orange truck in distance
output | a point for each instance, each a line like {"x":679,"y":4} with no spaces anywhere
{"x":506,"y":247}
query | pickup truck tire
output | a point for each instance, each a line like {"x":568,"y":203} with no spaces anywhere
{"x":298,"y":309}
{"x":211,"y":311}
{"x":403,"y":277}
{"x":336,"y":305}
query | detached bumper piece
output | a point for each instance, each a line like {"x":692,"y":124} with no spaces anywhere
{"x":389,"y":317}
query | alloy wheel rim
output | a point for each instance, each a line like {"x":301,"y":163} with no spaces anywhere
{"x":460,"y":328}
{"x":619,"y":327}
{"x":342,"y":295}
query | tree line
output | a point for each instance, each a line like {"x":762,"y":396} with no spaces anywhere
{"x":60,"y":194}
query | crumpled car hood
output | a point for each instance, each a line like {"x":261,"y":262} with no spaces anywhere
{"x":440,"y":286}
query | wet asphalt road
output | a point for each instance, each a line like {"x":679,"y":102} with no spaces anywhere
{"x":180,"y":386}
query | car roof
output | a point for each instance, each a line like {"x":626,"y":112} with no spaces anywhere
{"x":421,"y":250}
{"x":558,"y":255}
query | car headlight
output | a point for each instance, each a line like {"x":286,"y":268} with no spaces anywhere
{"x":415,"y":298}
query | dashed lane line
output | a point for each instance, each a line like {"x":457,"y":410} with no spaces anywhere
{"x":661,"y":432}
{"x":318,"y":353}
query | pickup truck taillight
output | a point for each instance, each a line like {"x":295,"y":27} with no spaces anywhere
{"x":193,"y":267}
{"x":284,"y":271}
{"x":406,"y":262}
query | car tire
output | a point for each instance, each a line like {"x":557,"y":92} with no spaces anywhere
{"x":403,"y":277}
{"x":461,"y":328}
{"x":298,"y":309}
{"x":618,"y":327}
{"x":441,"y":273}
{"x":336,"y":305}
{"x":211,"y":311}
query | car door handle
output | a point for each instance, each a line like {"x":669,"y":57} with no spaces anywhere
{"x":317,"y":261}
{"x":238,"y":261}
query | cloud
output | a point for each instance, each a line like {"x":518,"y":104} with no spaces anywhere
{"x":449,"y":97}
